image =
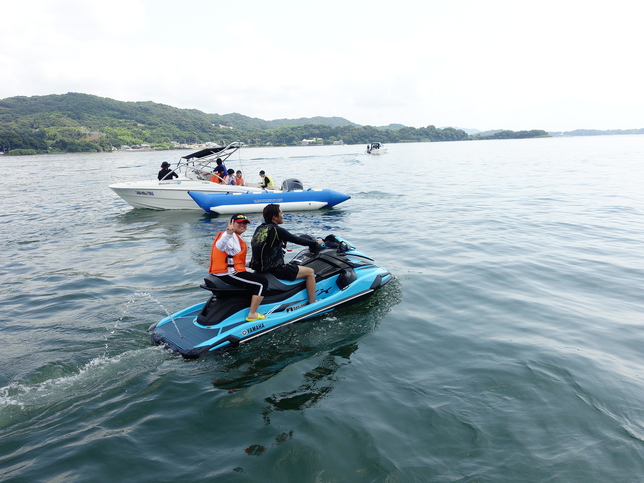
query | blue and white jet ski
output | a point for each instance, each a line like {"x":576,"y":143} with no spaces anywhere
{"x":344,"y":277}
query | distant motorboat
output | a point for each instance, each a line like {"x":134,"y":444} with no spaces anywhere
{"x":376,"y":148}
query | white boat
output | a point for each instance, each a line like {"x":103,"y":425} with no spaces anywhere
{"x":376,"y":148}
{"x":194,"y":172}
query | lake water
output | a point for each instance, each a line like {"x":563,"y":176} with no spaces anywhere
{"x":509,"y":346}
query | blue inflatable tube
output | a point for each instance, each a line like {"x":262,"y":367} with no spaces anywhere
{"x":250,"y":202}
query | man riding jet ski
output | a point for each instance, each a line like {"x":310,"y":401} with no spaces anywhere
{"x":343,"y":276}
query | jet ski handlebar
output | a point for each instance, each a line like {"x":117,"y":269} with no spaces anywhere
{"x":330,"y":241}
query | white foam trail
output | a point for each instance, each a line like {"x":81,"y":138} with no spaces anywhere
{"x":98,"y":373}
{"x":136,"y":296}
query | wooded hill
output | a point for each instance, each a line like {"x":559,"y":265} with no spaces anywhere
{"x":75,"y":122}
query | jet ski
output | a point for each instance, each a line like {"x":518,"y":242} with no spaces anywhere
{"x":344,"y":276}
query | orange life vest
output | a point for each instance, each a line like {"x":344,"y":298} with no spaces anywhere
{"x":220,"y":261}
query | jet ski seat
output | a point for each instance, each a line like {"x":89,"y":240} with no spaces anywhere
{"x":218,"y":287}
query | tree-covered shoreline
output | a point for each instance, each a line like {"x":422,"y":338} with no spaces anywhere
{"x":75,"y":122}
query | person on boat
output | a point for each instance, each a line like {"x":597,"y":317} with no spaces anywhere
{"x":239,"y":178}
{"x":268,"y":245}
{"x":230,"y":179}
{"x":228,"y":261}
{"x":166,"y":172}
{"x":218,"y":175}
{"x":267,"y":181}
{"x":221,"y":163}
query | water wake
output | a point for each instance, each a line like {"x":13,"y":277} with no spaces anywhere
{"x":60,"y":387}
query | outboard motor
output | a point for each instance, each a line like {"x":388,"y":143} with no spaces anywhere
{"x":292,"y":184}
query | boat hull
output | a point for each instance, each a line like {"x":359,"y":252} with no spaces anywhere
{"x":253,"y":202}
{"x":169,"y":195}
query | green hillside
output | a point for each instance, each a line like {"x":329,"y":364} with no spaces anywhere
{"x":75,"y":122}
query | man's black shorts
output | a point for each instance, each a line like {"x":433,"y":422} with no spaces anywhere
{"x":286,"y":272}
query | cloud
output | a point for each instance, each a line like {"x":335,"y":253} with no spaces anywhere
{"x":495,"y":64}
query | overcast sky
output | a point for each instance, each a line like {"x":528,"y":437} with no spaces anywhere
{"x":556,"y":65}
